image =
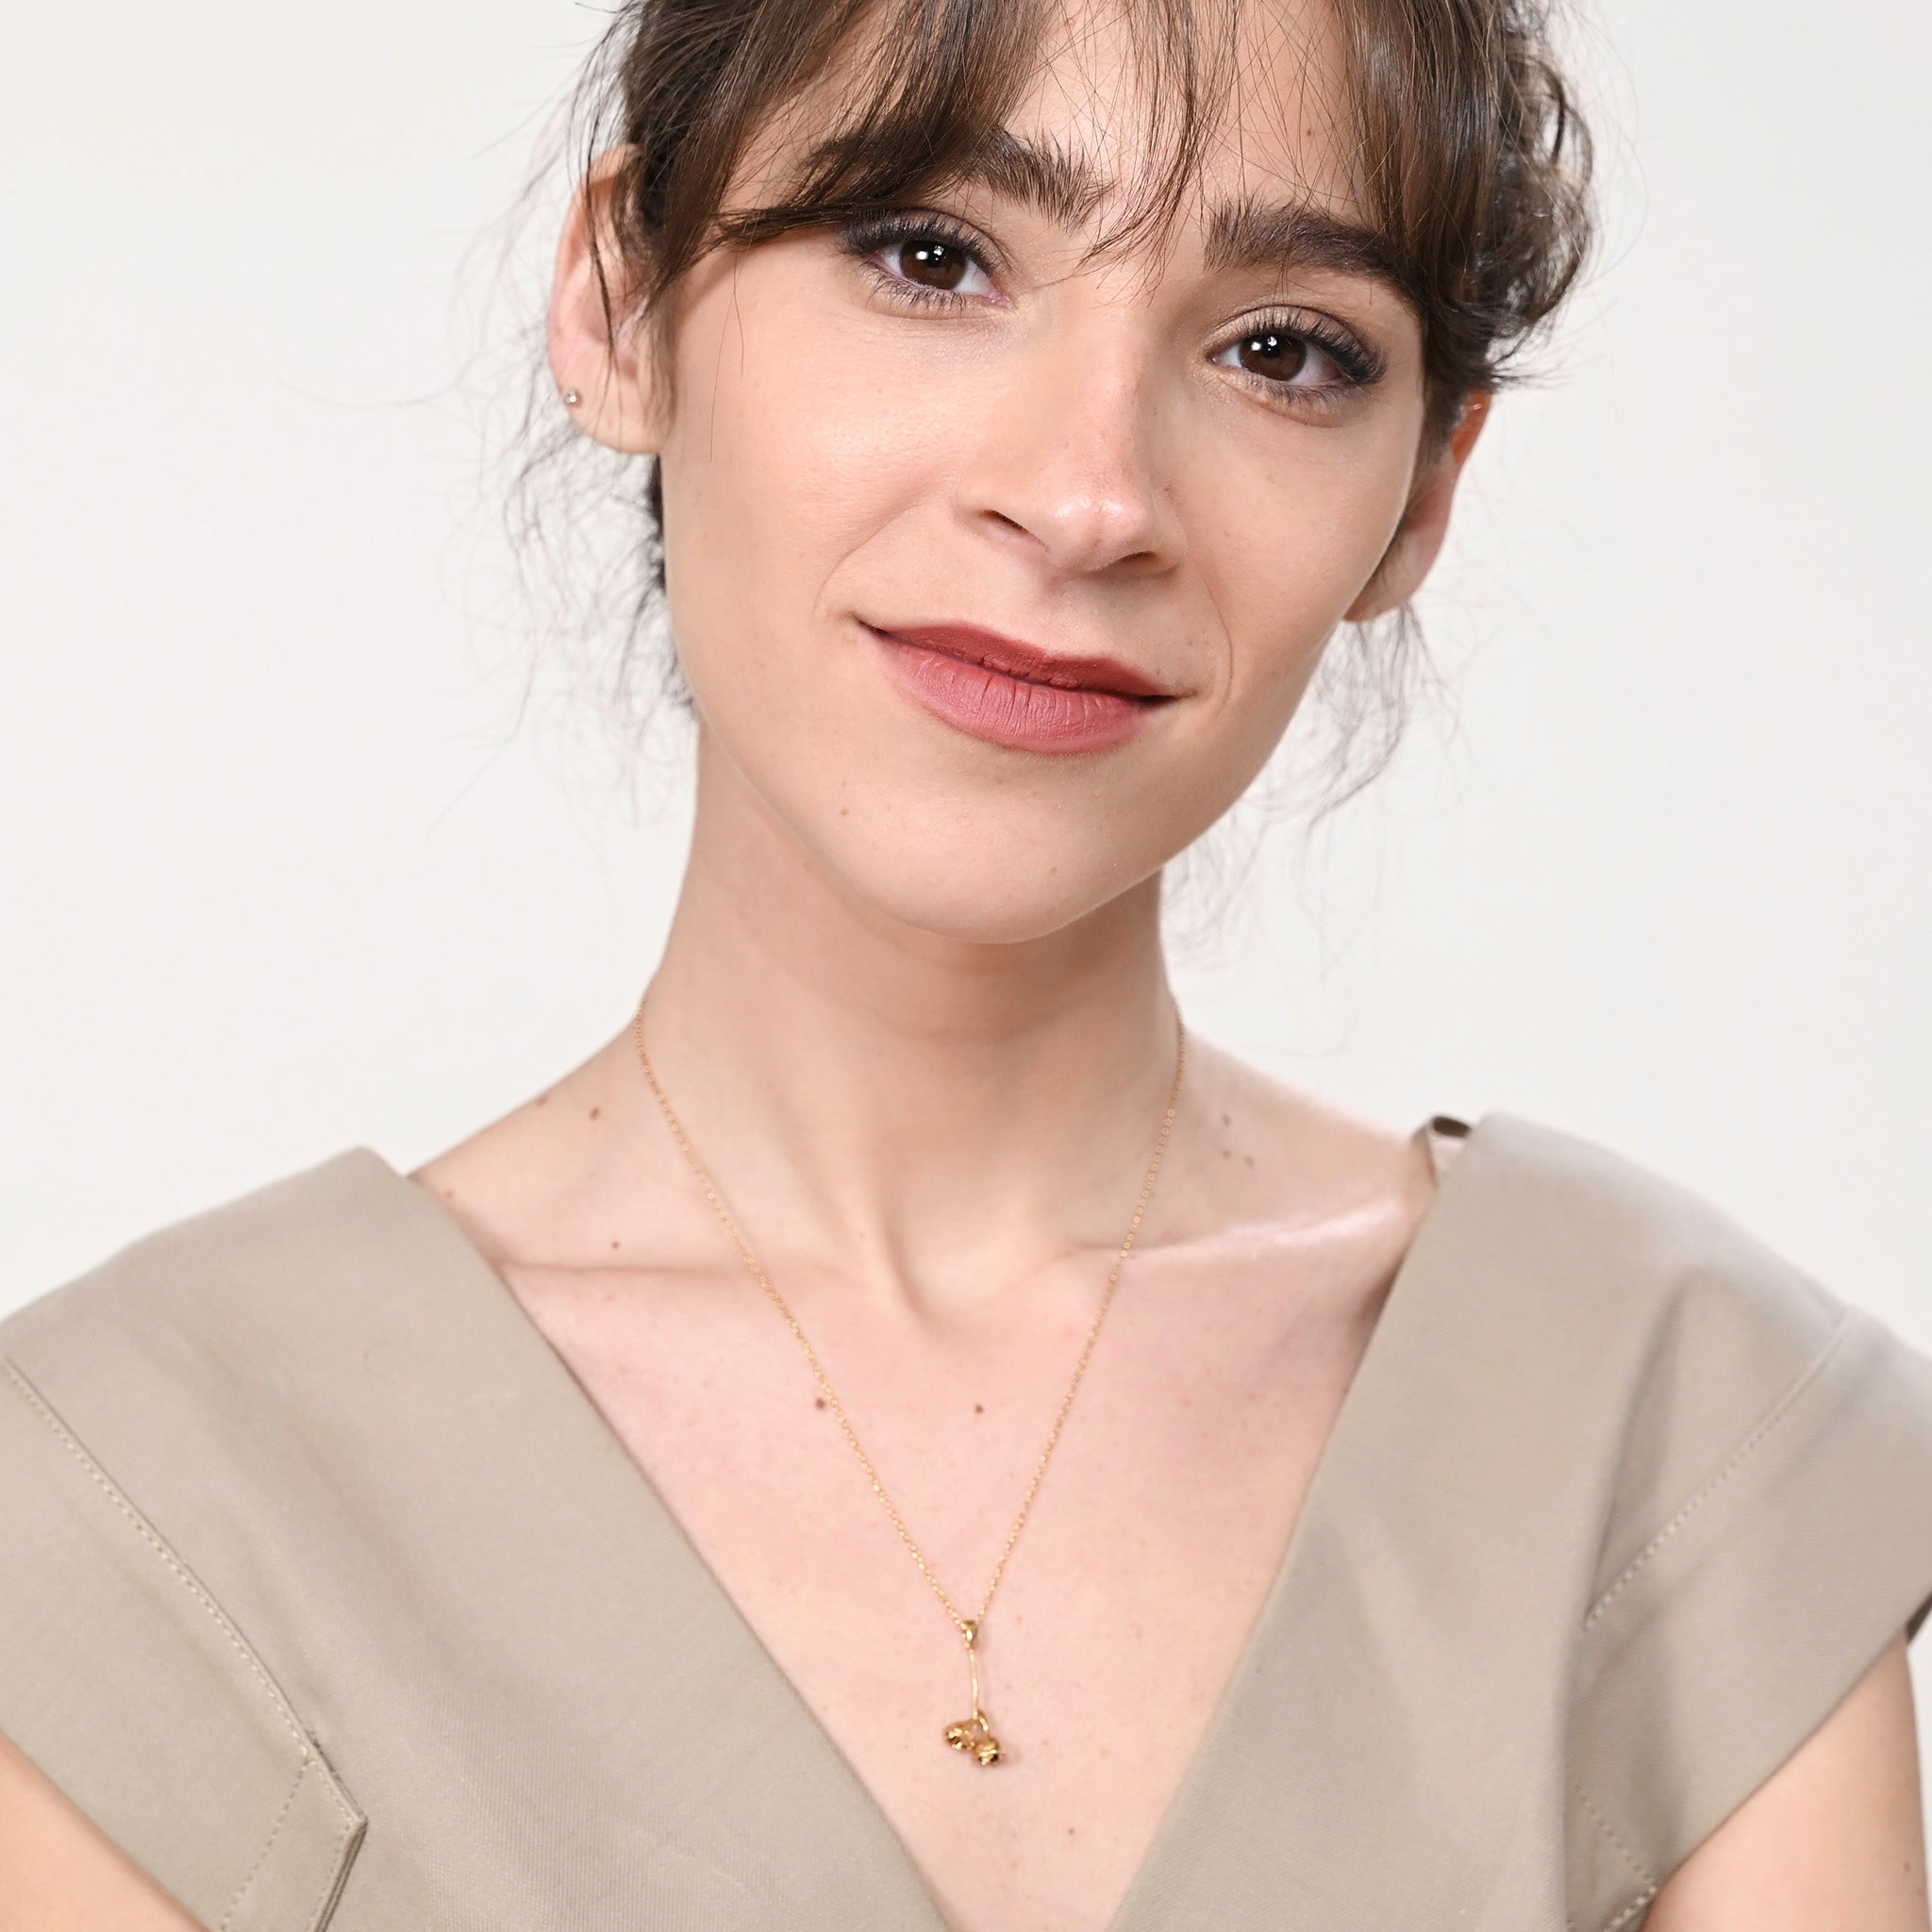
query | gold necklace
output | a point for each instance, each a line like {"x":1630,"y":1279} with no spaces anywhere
{"x":974,"y":1734}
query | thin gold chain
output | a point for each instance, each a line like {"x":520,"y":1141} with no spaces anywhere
{"x":968,"y":1625}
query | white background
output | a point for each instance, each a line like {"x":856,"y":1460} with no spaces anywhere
{"x":280,"y":873}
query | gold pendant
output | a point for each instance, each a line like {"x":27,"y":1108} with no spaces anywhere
{"x":975,"y":1735}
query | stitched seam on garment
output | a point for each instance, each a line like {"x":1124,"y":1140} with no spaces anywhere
{"x":101,"y":1479}
{"x":1639,"y":1869}
{"x":1736,"y":1462}
{"x":274,"y":1832}
{"x":321,"y":1911}
{"x":1637,"y":1905}
{"x":1623,"y":1918}
{"x":1642,"y":1871}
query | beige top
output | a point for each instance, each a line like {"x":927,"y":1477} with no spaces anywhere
{"x":328,"y":1594}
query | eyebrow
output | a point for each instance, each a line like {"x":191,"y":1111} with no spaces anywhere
{"x":1244,"y":233}
{"x":1048,"y":179}
{"x":1298,"y":235}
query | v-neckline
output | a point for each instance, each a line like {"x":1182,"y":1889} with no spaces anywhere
{"x":1346,"y":1459}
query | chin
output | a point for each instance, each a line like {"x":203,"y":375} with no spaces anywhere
{"x":980,"y":895}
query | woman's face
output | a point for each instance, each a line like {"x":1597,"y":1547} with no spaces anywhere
{"x":895,"y":456}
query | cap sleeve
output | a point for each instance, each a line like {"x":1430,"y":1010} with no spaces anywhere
{"x":1773,"y":1535}
{"x":125,"y":1682}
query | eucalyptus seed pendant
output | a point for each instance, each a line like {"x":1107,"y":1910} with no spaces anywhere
{"x":975,"y":1735}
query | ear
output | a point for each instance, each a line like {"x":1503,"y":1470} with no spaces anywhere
{"x":1418,"y":540}
{"x":617,"y":382}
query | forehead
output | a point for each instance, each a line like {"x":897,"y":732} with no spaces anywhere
{"x":1136,"y":122}
{"x":1138,"y":111}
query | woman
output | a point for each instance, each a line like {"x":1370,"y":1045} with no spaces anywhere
{"x":847,"y":1454}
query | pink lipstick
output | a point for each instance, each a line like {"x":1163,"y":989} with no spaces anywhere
{"x":1014,"y":693}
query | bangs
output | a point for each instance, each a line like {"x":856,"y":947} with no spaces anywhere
{"x":842,"y":110}
{"x":920,"y":93}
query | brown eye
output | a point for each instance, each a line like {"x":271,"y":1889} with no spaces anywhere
{"x":1273,"y":354}
{"x":1301,"y":360}
{"x":921,"y":264}
{"x":932,"y":263}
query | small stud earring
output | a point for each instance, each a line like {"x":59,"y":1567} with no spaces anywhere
{"x":570,"y":399}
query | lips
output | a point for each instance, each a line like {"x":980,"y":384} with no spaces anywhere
{"x":1008,"y":693}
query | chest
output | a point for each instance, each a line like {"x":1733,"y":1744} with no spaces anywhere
{"x":1121,"y":1609}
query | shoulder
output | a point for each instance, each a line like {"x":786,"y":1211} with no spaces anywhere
{"x":1695,"y":1325}
{"x":1569,"y":1196}
{"x":263,"y":1305}
{"x":215,"y":1349}
{"x":1759,"y":1488}
{"x":152,"y":1425}
{"x":214,"y":1267}
{"x":1619,"y":1313}
{"x":177,"y":1345}
{"x":1724,"y":1367}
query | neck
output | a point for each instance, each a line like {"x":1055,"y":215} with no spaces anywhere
{"x":935,"y":1117}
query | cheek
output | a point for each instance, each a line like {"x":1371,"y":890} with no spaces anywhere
{"x":1284,"y":532}
{"x":791,"y":448}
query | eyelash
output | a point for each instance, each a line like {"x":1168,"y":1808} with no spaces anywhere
{"x":1361,"y":368}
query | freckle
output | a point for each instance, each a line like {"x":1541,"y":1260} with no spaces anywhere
{"x":543,"y":1100}
{"x":844,"y":811}
{"x":979,"y":1409}
{"x":1249,"y":1158}
{"x":595,"y":1111}
{"x":1227,"y":1154}
{"x":615,"y":1245}
{"x":1227,"y":1119}
{"x":1070,"y":1831}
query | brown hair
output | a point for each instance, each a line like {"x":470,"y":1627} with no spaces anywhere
{"x":1474,"y":169}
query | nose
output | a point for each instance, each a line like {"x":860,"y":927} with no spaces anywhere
{"x":1068,"y":459}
